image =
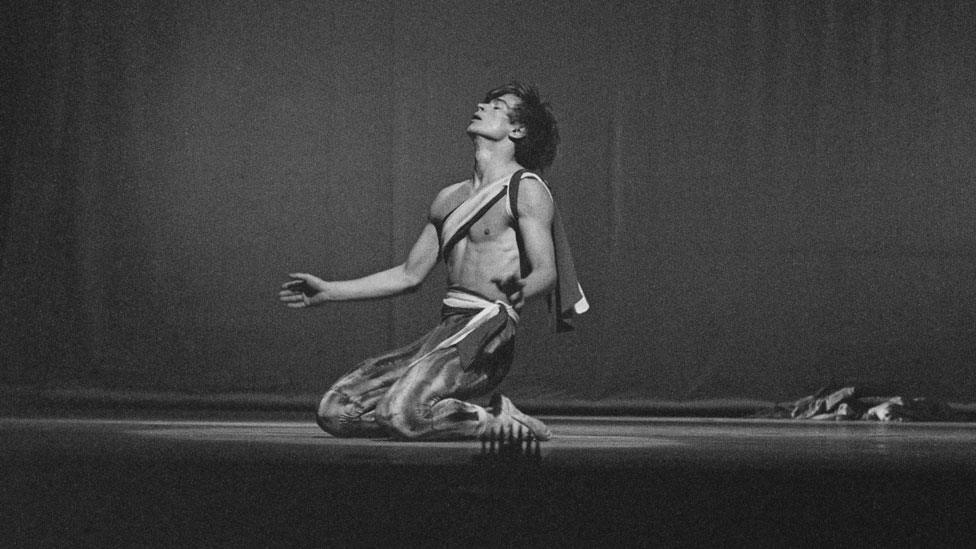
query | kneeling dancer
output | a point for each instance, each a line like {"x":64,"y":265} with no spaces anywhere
{"x":502,"y":243}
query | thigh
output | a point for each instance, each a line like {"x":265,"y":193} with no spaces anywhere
{"x":370,"y":379}
{"x":459,"y":371}
{"x":433,"y":377}
{"x":373,"y":376}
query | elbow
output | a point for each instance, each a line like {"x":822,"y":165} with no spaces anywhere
{"x":409,"y":279}
{"x":547,"y":280}
{"x":412,"y":283}
{"x":413,"y":287}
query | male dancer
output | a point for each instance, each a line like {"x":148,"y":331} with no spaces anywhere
{"x":502,"y":244}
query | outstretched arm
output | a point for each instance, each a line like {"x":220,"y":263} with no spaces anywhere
{"x":305,"y":290}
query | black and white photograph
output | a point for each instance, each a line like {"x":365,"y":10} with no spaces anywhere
{"x":493,"y":273}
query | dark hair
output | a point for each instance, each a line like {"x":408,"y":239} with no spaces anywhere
{"x":537,"y":149}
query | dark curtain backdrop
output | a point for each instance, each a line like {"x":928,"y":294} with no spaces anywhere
{"x":764,"y":197}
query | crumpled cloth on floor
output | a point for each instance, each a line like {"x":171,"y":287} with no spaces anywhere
{"x":854,"y":403}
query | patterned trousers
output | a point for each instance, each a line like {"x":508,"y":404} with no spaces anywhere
{"x":418,"y":392}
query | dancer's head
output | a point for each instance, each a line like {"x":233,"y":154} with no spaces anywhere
{"x":535,"y":145}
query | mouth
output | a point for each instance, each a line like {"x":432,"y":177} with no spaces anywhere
{"x":476,"y":117}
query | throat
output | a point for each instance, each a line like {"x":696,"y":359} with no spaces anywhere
{"x":491,"y":172}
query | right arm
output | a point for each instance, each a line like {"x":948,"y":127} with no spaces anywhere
{"x":305,"y":290}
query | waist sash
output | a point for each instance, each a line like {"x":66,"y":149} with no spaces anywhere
{"x":459,"y":299}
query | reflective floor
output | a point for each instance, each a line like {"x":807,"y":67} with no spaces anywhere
{"x":601,"y":481}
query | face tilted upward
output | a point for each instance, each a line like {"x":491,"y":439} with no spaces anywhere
{"x":493,"y":119}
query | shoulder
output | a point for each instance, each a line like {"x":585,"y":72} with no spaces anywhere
{"x":533,"y":187}
{"x":447,"y":199}
{"x":451,"y":189}
{"x":534,"y":197}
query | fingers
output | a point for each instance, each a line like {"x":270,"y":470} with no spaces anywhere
{"x":512,"y":287}
{"x":294,"y":293}
{"x":511,"y":277}
{"x":510,"y":283}
{"x":298,"y":287}
{"x":291,"y":297}
{"x":293,"y":300}
{"x":516,"y":297}
{"x":296,"y":279}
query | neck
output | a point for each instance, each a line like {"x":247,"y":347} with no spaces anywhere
{"x":493,"y":160}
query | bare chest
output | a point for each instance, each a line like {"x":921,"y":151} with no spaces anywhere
{"x":494,"y":225}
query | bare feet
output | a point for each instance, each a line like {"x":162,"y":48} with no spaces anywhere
{"x":505,"y":414}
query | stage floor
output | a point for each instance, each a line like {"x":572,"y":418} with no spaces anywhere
{"x":631,"y":481}
{"x":578,"y":442}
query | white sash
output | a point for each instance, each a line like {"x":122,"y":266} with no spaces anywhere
{"x":489,"y":310}
{"x":470,"y":207}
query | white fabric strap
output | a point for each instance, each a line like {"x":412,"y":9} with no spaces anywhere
{"x":456,"y":219}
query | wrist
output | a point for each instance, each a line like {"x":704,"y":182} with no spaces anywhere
{"x":327,"y":293}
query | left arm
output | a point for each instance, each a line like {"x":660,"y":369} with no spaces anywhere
{"x":535,"y":216}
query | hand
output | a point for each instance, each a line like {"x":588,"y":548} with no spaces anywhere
{"x":303,"y":290}
{"x":512,"y":286}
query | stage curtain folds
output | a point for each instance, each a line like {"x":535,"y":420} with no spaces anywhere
{"x":764,"y":198}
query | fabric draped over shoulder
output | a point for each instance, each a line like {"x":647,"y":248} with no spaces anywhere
{"x":466,"y":212}
{"x":568,"y":295}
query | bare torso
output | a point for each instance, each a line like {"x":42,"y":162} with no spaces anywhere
{"x":488,"y":253}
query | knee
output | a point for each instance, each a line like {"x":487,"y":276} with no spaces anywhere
{"x":399,"y":419}
{"x":333,"y":413}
